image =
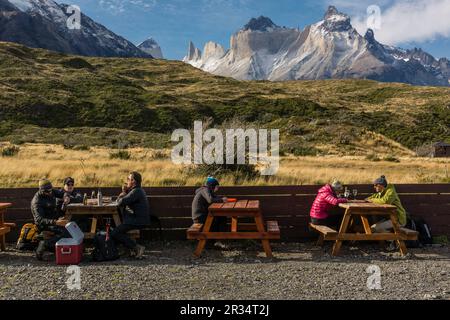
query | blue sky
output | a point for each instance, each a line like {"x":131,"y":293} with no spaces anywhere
{"x":405,"y":23}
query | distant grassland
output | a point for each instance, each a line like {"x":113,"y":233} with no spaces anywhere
{"x":47,"y":97}
{"x":101,"y":166}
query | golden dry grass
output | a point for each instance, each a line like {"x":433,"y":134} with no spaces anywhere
{"x":95,"y":168}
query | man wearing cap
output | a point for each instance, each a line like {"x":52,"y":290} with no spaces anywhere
{"x":133,"y":204}
{"x":71,"y":196}
{"x":322,"y":212}
{"x":386,"y":194}
{"x":47,"y":217}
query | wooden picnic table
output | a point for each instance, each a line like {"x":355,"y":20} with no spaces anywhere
{"x":94,"y":211}
{"x":235,"y":211}
{"x":362,"y":210}
{"x":5,"y":227}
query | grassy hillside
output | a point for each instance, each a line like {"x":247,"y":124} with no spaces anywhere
{"x":48,"y":97}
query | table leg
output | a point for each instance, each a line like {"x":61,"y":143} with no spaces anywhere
{"x":234,"y":224}
{"x":396,"y":227}
{"x":94,"y":226}
{"x":202,"y":242}
{"x":3,"y":243}
{"x":3,"y":237}
{"x":366,"y":224}
{"x":116,"y":219}
{"x":265,"y":243}
{"x":342,"y":230}
{"x":321,"y":240}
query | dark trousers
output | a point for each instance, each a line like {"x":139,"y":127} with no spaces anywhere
{"x":50,"y":243}
{"x":219,"y":223}
{"x":119,"y":235}
{"x":334,"y":219}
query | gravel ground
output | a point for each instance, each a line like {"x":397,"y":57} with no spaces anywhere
{"x":298,"y":271}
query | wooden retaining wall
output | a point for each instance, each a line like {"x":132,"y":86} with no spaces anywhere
{"x":289,"y":205}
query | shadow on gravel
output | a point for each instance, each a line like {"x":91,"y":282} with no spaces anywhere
{"x":242,"y":253}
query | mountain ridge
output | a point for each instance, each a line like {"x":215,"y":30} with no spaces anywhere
{"x":43,"y":24}
{"x":328,"y":49}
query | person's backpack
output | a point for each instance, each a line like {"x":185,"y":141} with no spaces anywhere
{"x":28,"y":238}
{"x":104,"y":248}
{"x":425,"y":238}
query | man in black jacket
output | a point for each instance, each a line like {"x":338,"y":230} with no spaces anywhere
{"x":72,"y":196}
{"x":68,"y":192}
{"x":47,"y":217}
{"x":133,"y":204}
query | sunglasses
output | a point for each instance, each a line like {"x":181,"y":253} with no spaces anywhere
{"x":70,"y":184}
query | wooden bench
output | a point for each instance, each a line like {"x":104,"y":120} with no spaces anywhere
{"x":5,"y":227}
{"x":409,"y":234}
{"x":326,"y":233}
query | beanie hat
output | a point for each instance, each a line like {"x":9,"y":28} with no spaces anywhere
{"x":45,"y":184}
{"x":381,"y":181}
{"x":69,"y":180}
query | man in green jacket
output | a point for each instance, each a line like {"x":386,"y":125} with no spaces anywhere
{"x":386,"y":194}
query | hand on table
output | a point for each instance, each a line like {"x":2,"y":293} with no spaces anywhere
{"x":62,"y":222}
{"x":225,"y":199}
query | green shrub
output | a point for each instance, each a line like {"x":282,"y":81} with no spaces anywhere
{"x":10,"y":151}
{"x":391,"y":158}
{"x":372,"y":157}
{"x":121,"y":154}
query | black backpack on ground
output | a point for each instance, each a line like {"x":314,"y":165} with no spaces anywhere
{"x":104,"y":250}
{"x":418,"y":224}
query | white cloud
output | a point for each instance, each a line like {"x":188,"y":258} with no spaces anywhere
{"x":402,"y":21}
{"x":120,"y":6}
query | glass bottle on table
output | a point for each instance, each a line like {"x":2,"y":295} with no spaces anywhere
{"x":355,"y":193}
{"x":346,"y":193}
{"x":100,"y":197}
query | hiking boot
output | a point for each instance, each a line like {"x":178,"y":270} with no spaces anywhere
{"x":220,"y":245}
{"x":139,"y":251}
{"x":392,"y":246}
{"x":40,"y":251}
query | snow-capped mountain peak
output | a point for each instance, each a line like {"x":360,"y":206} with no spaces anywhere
{"x":43,"y":24}
{"x":336,"y":21}
{"x":330,"y":48}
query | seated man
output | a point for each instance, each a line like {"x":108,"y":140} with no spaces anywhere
{"x":133,"y":204}
{"x":386,"y":194}
{"x":47,"y":217}
{"x":204,"y":197}
{"x":323,"y":210}
{"x":71,"y":196}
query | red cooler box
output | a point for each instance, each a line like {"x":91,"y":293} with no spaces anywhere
{"x":70,"y":251}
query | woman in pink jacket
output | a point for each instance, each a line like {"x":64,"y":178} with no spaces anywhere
{"x":323,"y":209}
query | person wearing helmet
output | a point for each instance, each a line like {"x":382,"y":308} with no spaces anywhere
{"x":204,"y":197}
